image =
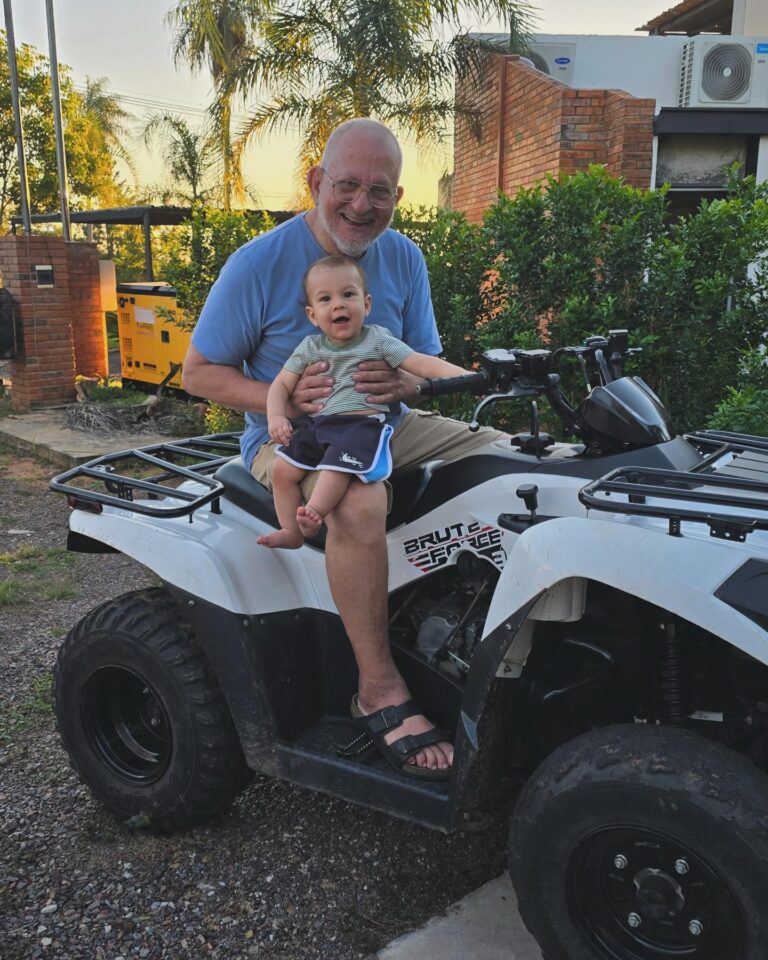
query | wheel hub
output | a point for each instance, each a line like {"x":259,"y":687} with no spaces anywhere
{"x":127,"y":724}
{"x":658,"y":894}
{"x":638,"y":894}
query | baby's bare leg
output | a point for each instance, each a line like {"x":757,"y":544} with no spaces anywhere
{"x":329,"y":489}
{"x":287,"y":493}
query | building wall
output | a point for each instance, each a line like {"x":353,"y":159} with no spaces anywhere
{"x":61,"y":327}
{"x":750,"y":18}
{"x":532,"y":125}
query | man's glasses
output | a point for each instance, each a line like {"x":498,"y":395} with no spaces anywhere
{"x":347,"y":191}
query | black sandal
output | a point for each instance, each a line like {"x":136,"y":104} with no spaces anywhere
{"x":376,"y":725}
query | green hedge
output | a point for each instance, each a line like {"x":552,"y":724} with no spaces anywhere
{"x":581,"y":254}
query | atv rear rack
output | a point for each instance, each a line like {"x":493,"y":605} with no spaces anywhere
{"x":695,"y":495}
{"x":117,"y":479}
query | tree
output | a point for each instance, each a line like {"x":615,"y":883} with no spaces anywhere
{"x":106,"y":114}
{"x":189,"y":156}
{"x":326,"y":61}
{"x":90,"y":164}
{"x":216,"y":34}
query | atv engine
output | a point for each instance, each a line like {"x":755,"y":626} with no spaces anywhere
{"x":447,"y":612}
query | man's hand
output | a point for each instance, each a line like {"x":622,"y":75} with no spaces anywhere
{"x":310,"y":392}
{"x":280,"y":429}
{"x":382,"y":384}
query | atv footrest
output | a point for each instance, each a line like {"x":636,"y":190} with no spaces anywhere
{"x":312,"y":761}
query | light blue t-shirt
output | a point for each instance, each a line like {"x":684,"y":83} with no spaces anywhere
{"x":254,"y":316}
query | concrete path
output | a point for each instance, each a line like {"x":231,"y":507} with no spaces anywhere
{"x":485,"y":925}
{"x":46,"y":435}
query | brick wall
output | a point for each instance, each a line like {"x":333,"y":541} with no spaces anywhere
{"x":61,"y":327}
{"x":532,"y":125}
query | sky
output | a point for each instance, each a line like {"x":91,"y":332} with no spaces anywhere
{"x":127,"y":42}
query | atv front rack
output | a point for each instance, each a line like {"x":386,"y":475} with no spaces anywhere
{"x":144,"y":479}
{"x":725,"y":441}
{"x":692,"y":496}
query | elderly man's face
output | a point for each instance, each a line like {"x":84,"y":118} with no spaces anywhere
{"x":353,"y":224}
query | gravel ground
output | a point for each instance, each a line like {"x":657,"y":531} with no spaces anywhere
{"x":287,"y":874}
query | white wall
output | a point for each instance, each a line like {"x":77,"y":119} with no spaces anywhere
{"x":642,"y":66}
{"x":750,"y":18}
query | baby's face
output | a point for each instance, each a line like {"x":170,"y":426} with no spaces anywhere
{"x":336,"y":302}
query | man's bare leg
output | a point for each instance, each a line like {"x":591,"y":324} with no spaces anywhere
{"x":287,"y":493}
{"x":356,"y":542}
{"x":330,"y":488}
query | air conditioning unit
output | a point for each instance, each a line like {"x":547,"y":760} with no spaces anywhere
{"x":555,"y":59}
{"x":724,"y":72}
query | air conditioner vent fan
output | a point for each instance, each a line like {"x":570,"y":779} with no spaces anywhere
{"x":726,"y":71}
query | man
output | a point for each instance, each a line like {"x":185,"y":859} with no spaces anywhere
{"x":255,"y":316}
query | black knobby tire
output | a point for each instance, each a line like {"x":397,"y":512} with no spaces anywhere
{"x":643,"y":843}
{"x":142,"y":717}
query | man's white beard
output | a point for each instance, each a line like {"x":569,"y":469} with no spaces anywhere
{"x":349,"y":248}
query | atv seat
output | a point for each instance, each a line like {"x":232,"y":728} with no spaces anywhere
{"x":242,"y":489}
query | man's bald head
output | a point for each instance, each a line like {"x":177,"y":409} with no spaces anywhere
{"x":362,"y":129}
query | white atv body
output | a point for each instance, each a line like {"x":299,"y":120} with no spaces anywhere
{"x":589,"y":617}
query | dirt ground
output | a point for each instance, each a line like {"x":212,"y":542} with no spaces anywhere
{"x":286,"y":874}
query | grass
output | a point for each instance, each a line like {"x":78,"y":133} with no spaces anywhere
{"x":34,"y":703}
{"x":5,"y":407}
{"x":31,"y":573}
{"x":9,"y":593}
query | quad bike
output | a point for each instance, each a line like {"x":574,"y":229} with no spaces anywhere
{"x":589,"y":617}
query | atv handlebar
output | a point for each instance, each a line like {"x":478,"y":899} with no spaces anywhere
{"x":506,"y":374}
{"x":471,"y":383}
{"x":516,"y":373}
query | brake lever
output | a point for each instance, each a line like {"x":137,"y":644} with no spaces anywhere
{"x":517,"y":391}
{"x":474,"y":425}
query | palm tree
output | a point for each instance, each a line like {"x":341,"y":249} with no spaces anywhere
{"x":106,"y":114}
{"x":216,"y":34}
{"x":190,"y":156}
{"x":325,"y":61}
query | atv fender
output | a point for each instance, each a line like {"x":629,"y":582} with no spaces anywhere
{"x":215,"y":558}
{"x":677,"y":574}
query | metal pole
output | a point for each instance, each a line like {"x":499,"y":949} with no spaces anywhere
{"x":147,"y":226}
{"x":23,"y":184}
{"x":61,"y":157}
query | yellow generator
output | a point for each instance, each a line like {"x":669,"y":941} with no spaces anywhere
{"x":152,"y":347}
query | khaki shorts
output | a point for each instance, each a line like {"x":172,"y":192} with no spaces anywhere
{"x":421,"y":436}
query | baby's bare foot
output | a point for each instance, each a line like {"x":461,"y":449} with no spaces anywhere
{"x":309,"y":520}
{"x":287,"y":539}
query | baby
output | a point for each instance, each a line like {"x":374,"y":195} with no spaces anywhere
{"x":349,"y":437}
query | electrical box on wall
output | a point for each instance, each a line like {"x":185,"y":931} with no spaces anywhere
{"x":44,"y":275}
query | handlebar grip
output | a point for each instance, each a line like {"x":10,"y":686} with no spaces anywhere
{"x":471,"y":383}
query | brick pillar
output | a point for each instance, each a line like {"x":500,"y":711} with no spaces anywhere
{"x":88,"y":327}
{"x":61,"y":326}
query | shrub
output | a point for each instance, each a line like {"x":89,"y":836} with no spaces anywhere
{"x":457,"y":263}
{"x":743,"y":411}
{"x":581,"y":254}
{"x":203,"y":246}
{"x":219,"y":419}
{"x":745,"y":407}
